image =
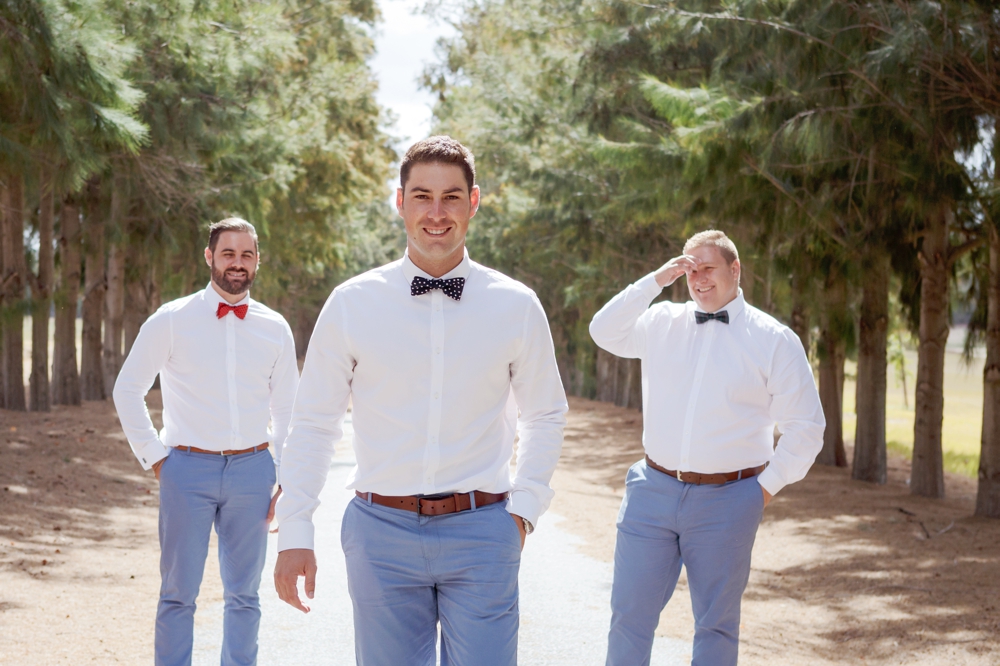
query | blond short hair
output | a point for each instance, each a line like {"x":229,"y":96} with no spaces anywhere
{"x":714,"y":238}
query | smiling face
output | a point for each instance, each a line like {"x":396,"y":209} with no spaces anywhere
{"x":234,"y":262}
{"x":436,"y":207}
{"x":714,"y":282}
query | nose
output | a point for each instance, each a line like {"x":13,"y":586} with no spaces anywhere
{"x":437,"y":210}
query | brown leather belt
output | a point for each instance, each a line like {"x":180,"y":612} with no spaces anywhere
{"x":434,"y":507}
{"x":710,"y":479}
{"x":230,"y":452}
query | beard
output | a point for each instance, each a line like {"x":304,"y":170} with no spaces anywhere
{"x":233,"y":282}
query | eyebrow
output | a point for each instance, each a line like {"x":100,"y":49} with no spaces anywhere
{"x":448,"y":191}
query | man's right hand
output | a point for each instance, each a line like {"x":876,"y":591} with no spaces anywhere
{"x":291,"y":564}
{"x":673,"y":269}
{"x":156,"y":467}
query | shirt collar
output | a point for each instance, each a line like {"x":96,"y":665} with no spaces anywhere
{"x":411,"y":271}
{"x":212,"y":299}
{"x":733,"y":307}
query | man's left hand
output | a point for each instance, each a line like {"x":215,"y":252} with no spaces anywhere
{"x":520,"y":527}
{"x":767,"y":496}
{"x":270,"y":509}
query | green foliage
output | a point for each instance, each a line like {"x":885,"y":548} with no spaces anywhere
{"x":178,"y":113}
{"x":608,"y":131}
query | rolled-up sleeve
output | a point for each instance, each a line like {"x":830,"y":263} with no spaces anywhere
{"x":542,"y":407}
{"x":316,"y":426}
{"x":148,"y":355}
{"x":797,"y":413}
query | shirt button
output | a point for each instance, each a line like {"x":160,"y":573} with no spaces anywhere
{"x":437,"y":395}
{"x":437,"y":351}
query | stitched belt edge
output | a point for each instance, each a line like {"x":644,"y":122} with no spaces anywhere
{"x":699,"y":479}
{"x":433,"y":507}
{"x":229,"y":452}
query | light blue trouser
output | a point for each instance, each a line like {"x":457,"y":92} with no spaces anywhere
{"x":233,"y":493}
{"x":407,"y":572}
{"x":662,"y":524}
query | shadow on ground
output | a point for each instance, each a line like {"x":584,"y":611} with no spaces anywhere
{"x":62,"y":472}
{"x":890,"y":574}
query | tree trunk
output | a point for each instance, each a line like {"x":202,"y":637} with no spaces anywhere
{"x":927,"y":471}
{"x":869,"y":435}
{"x":14,"y":279}
{"x":831,"y":352}
{"x":988,"y":497}
{"x":91,"y":370}
{"x":65,"y":378}
{"x":800,"y":310}
{"x":607,"y":376}
{"x":41,"y":301}
{"x":114,"y":308}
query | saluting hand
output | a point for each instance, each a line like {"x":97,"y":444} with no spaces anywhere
{"x":676,"y":267}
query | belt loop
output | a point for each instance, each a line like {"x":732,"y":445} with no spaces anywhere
{"x":472,"y":500}
{"x":739,"y":475}
{"x":369,"y":499}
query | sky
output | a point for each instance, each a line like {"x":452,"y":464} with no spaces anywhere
{"x":404,"y":43}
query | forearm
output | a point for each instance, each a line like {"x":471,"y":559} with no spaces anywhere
{"x":305,"y":464}
{"x":538,"y":452}
{"x":614,"y":327}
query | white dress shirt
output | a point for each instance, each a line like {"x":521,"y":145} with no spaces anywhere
{"x":431,"y":380}
{"x":713,"y":393}
{"x":222,"y":380}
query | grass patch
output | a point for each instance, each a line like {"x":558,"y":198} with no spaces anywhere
{"x":954,"y":461}
{"x":961,"y":431}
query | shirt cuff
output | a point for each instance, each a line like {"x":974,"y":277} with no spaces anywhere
{"x":648,"y":286}
{"x":297,"y":534}
{"x":150,"y":454}
{"x":770,"y":481}
{"x":523,"y":503}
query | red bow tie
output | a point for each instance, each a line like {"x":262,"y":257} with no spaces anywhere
{"x":239,"y":310}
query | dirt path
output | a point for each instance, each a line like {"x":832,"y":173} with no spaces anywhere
{"x":843,"y":572}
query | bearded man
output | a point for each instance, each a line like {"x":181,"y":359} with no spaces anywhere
{"x":227,"y":367}
{"x":718,"y":376}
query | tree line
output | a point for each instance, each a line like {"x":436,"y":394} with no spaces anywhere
{"x":127,"y":127}
{"x":847,"y":147}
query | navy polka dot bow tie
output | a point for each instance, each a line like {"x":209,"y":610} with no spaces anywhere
{"x":452,"y":287}
{"x":702,"y":317}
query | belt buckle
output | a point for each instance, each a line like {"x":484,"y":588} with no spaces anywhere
{"x":680,"y":477}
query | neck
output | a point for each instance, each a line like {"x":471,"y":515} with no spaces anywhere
{"x":436,"y":268}
{"x":232,"y":299}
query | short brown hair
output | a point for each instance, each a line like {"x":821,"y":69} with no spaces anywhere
{"x":438,"y":150}
{"x":230,"y":224}
{"x":717,"y":239}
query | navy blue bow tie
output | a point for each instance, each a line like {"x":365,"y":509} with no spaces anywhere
{"x":702,"y":317}
{"x":452,"y":286}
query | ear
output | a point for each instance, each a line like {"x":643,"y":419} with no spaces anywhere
{"x":474,"y":201}
{"x":399,"y":201}
{"x":736,"y":270}
{"x":208,"y":257}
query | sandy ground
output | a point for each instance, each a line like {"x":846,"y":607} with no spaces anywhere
{"x":843,"y":572}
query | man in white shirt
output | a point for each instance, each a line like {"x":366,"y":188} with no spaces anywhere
{"x":227,"y":367}
{"x":718,"y":375}
{"x":444,"y":360}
